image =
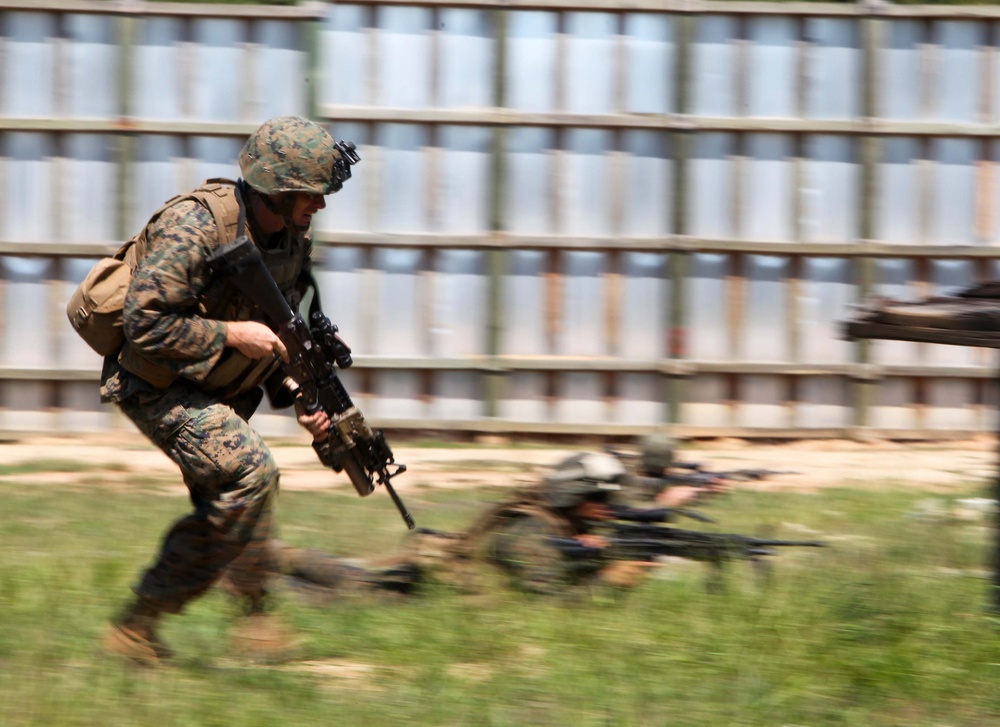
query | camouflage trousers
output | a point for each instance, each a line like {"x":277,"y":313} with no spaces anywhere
{"x":232,"y":480}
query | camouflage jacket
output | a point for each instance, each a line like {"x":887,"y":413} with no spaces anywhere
{"x":174,"y":312}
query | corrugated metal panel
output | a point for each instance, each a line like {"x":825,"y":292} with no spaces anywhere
{"x":707,"y":320}
{"x":959,"y":80}
{"x":94,"y":85}
{"x":829,"y":190}
{"x":28,"y":204}
{"x":895,"y":404}
{"x":953,"y":192}
{"x":900,"y":82}
{"x":651,"y":63}
{"x":29,"y":78}
{"x":768,"y":190}
{"x":762,"y":337}
{"x":645,"y":314}
{"x":823,"y":402}
{"x":460,"y":299}
{"x":582,"y":331}
{"x":342,"y":76}
{"x":833,"y":84}
{"x":89,"y":180}
{"x":280,"y":77}
{"x":403,"y":57}
{"x":28,"y":340}
{"x":586,"y":183}
{"x":532,"y":60}
{"x":399,"y":315}
{"x":467,"y":58}
{"x":713,"y":66}
{"x":528,"y":183}
{"x":524,"y":304}
{"x":711,"y":205}
{"x":639,"y":400}
{"x":771,"y":67}
{"x":431,"y":197}
{"x":590,"y":67}
{"x":464,"y":186}
{"x":404,"y":177}
{"x":525,"y":397}
{"x":217,"y":44}
{"x":647,"y":183}
{"x":827,"y":292}
{"x":158,"y":90}
{"x":899,"y":202}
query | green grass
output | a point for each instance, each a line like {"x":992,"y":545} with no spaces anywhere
{"x":888,"y":627}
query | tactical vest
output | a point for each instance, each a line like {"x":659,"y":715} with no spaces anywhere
{"x":234,"y":373}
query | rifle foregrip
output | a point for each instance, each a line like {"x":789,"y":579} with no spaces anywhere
{"x":359,"y":478}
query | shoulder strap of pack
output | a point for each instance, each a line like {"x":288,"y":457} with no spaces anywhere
{"x":217,"y":194}
{"x":223,"y":201}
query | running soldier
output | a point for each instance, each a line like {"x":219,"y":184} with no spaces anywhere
{"x":193,"y":369}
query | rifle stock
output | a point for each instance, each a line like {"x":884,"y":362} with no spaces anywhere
{"x":352,"y":445}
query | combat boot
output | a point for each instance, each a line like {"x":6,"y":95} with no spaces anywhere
{"x":133,"y":635}
{"x":262,"y":637}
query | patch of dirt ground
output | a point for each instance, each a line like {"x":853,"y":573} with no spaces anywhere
{"x":115,"y":460}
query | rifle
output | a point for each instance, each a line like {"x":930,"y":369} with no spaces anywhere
{"x":742,"y":475}
{"x":352,"y":445}
{"x":648,"y":542}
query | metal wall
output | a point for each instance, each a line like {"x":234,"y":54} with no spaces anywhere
{"x":598,"y":216}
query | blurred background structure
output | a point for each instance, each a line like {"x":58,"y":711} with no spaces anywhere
{"x":571,"y":216}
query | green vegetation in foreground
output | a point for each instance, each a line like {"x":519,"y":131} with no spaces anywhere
{"x":888,"y":628}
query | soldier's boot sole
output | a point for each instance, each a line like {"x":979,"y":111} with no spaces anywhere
{"x":122,"y":641}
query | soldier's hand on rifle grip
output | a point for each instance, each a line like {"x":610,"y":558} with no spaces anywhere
{"x":254,"y":340}
{"x":317,"y":423}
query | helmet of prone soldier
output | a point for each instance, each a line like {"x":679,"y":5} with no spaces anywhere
{"x":293,"y":154}
{"x":656,"y":453}
{"x":592,"y":476}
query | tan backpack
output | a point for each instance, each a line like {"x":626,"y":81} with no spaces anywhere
{"x":95,"y":308}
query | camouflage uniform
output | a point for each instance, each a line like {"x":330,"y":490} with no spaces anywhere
{"x":229,"y":472}
{"x":197,"y":405}
{"x":323,"y":578}
{"x":516,"y":535}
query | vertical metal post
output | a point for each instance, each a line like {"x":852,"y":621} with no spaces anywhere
{"x":493,"y":383}
{"x":674,"y":388}
{"x":310,"y":39}
{"x":869,"y":150}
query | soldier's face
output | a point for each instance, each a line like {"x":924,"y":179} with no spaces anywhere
{"x":304,"y":207}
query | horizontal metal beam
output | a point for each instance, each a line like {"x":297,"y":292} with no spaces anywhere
{"x":492,"y":116}
{"x":312,"y":10}
{"x":663,"y":243}
{"x":716,"y":7}
{"x":510,"y":364}
{"x":508,"y":117}
{"x":302,"y":11}
{"x":127,"y":126}
{"x":509,"y":241}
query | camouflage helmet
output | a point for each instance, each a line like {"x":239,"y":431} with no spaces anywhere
{"x":293,"y":154}
{"x":582,"y":477}
{"x":656,"y":453}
